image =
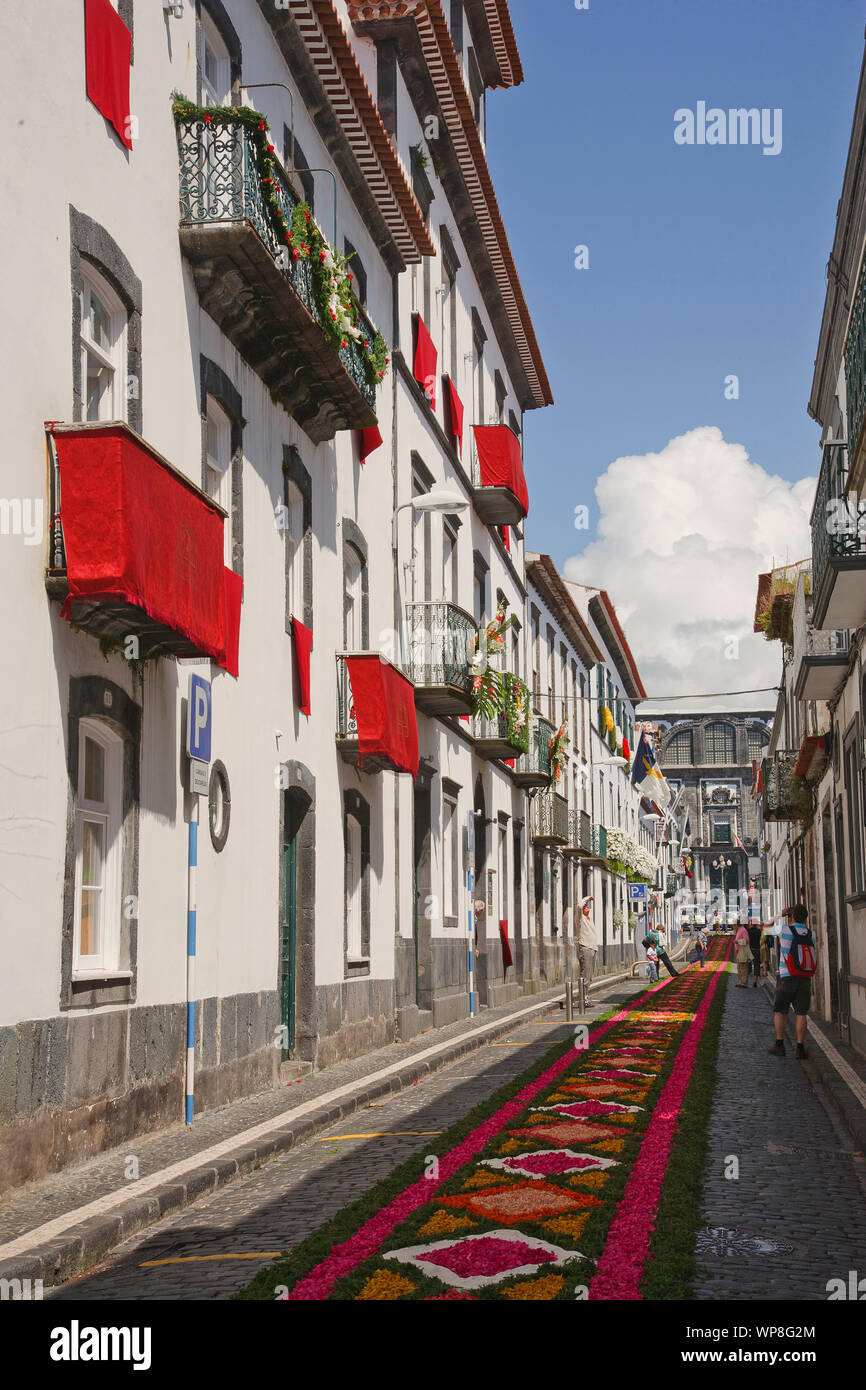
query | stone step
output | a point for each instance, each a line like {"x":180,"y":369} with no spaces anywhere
{"x":292,"y":1071}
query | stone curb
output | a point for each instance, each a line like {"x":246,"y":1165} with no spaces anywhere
{"x":842,"y":1098}
{"x":84,"y":1245}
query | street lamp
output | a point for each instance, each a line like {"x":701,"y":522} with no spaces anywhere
{"x":437,"y":500}
{"x":723,"y":864}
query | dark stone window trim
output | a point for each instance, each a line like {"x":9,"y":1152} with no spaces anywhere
{"x":87,"y":696}
{"x":302,"y":789}
{"x":449,"y":252}
{"x":478,"y":331}
{"x":421,"y":185}
{"x":386,"y":84}
{"x":451,"y":789}
{"x":295,"y":472}
{"x":356,"y":269}
{"x":90,"y":241}
{"x":124,"y":9}
{"x":355,"y":805}
{"x":422,"y":472}
{"x":353,"y":536}
{"x":457,"y":25}
{"x":219,"y":14}
{"x":302,"y":167}
{"x":215,"y":383}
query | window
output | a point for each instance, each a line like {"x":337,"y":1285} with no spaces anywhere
{"x":450,"y":861}
{"x":450,"y":573}
{"x":354,"y":637}
{"x":721,"y":832}
{"x":103,"y":334}
{"x":516,"y":662}
{"x":449,"y":322}
{"x":216,"y":79}
{"x":97,"y":849}
{"x":303,"y":179}
{"x":357,"y":271}
{"x":536,"y":657}
{"x":756,"y":740}
{"x":295,"y":550}
{"x":501,"y":396}
{"x":478,"y":380}
{"x":354,"y":885}
{"x":679,"y":750}
{"x":719,"y":743}
{"x":421,"y":545}
{"x":457,"y":25}
{"x":218,"y":473}
{"x":503,"y":873}
{"x":551,"y":675}
{"x":855,"y":829}
{"x":583,"y":729}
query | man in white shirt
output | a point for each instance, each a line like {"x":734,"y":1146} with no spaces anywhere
{"x":587,"y":940}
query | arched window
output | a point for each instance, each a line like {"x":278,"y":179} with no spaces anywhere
{"x":719,"y":743}
{"x":98,"y":815}
{"x":679,"y":750}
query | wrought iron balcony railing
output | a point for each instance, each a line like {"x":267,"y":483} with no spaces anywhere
{"x":820,"y":657}
{"x":377,"y":759}
{"x":785,"y":795}
{"x":550,"y":818}
{"x":249,"y":282}
{"x":438,"y":661}
{"x":533,"y":769}
{"x":507,"y":734}
{"x":579,"y":833}
{"x":855,"y":368}
{"x":838,"y":546}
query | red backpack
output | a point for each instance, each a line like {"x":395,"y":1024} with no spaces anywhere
{"x":801,"y":960}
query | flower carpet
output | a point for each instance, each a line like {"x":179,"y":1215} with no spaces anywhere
{"x":551,"y":1194}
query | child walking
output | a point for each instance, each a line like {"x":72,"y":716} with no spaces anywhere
{"x":652,"y":964}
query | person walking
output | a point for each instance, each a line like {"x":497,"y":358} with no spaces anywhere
{"x":743,"y":951}
{"x":754,"y":931}
{"x":701,"y":945}
{"x":798,"y":962}
{"x":765,"y":951}
{"x":659,"y":940}
{"x":587,"y":942}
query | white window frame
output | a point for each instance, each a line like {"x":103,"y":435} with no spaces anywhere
{"x":354,"y":890}
{"x":210,"y":37}
{"x":218,"y":468}
{"x":353,"y":594}
{"x":502,"y":861}
{"x":113,"y":358}
{"x":450,"y":858}
{"x":295,"y":543}
{"x":106,"y":813}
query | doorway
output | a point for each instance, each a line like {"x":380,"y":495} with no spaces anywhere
{"x":422,"y":883}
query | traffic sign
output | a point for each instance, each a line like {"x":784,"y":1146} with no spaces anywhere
{"x":199,"y":777}
{"x":637,"y":892}
{"x":198,"y":723}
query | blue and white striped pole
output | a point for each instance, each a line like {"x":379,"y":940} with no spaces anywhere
{"x":471,"y":916}
{"x":190,"y":960}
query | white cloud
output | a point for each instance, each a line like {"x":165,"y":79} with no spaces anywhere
{"x":682,"y":537}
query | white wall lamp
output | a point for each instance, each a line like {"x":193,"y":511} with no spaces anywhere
{"x":173,"y":8}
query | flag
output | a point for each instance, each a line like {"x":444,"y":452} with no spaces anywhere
{"x":687,"y":865}
{"x":647,"y":776}
{"x":740,"y":844}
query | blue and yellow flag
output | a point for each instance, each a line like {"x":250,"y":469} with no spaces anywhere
{"x":647,"y":776}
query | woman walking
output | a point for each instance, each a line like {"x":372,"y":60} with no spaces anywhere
{"x":743,"y":949}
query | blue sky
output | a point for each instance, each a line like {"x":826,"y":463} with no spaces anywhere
{"x":704,"y":261}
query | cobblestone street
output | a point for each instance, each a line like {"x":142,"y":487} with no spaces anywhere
{"x":773,"y":1116}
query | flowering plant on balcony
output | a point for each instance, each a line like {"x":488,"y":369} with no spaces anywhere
{"x":558,"y":745}
{"x":487,"y":682}
{"x":605,"y":719}
{"x":338,"y":310}
{"x":516,"y":701}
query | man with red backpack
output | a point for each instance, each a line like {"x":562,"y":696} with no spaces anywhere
{"x":798,"y":961}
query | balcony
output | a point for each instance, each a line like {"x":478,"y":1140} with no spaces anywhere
{"x":838,"y":547}
{"x":499,"y":493}
{"x":391,"y":741}
{"x":579,"y":835}
{"x":441,"y":640}
{"x":533,"y":768}
{"x":550,"y":819}
{"x":599,"y":842}
{"x":820,"y":658}
{"x":855,"y":377}
{"x":506,"y":735}
{"x":786,"y":796}
{"x":136,"y":549}
{"x":270,"y":314}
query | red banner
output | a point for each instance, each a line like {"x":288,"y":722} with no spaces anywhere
{"x":234,"y":588}
{"x":506,"y":948}
{"x":137,"y":531}
{"x":426,"y":357}
{"x":384,"y":703}
{"x":371,"y":440}
{"x":456,"y":406}
{"x":303,"y":646}
{"x":108,"y":48}
{"x":500,"y":461}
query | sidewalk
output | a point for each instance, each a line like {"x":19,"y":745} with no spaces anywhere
{"x":67,"y":1222}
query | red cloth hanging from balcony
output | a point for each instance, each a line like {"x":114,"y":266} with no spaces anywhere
{"x":234,"y":589}
{"x":135,"y":531}
{"x":456,"y":407}
{"x":506,"y":537}
{"x":303,"y":646}
{"x":371,"y":440}
{"x":108,"y":48}
{"x":384,"y":702}
{"x":500,"y":461}
{"x":426,"y":357}
{"x":507,"y":958}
